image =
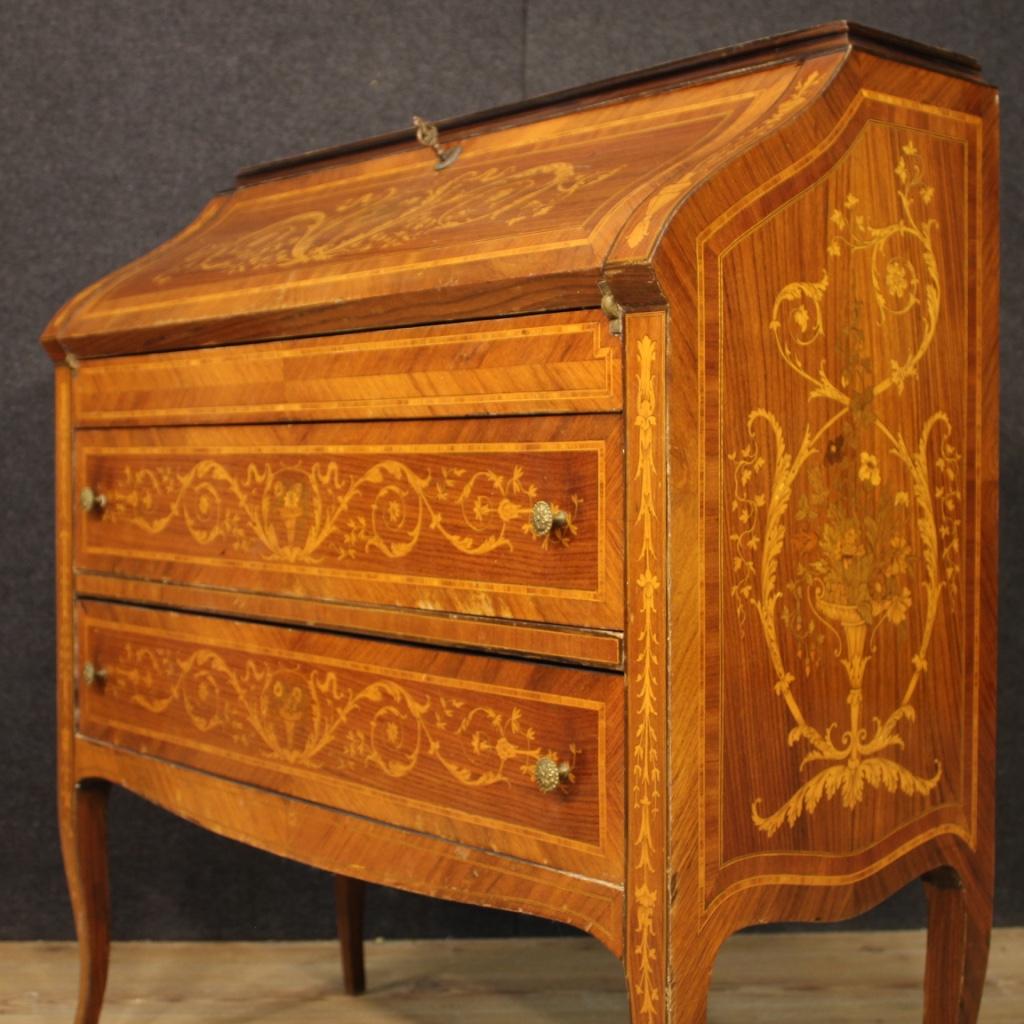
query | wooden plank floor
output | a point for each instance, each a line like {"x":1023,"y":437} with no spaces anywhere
{"x":861,"y":977}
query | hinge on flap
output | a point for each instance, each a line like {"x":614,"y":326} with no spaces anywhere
{"x":611,"y":308}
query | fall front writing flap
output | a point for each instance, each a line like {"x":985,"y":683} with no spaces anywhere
{"x":524,"y":219}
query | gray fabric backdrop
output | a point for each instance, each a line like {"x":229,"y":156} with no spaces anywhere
{"x":118,"y":119}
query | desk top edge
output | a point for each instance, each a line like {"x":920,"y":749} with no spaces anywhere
{"x":683,"y":72}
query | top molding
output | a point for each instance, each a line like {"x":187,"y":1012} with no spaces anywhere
{"x":787,"y":46}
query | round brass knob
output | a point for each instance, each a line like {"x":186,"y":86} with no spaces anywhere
{"x":549,"y":774}
{"x":92,"y":675}
{"x":93,"y":500}
{"x":545,"y":519}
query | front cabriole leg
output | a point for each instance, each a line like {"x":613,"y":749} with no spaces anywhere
{"x":84,"y":840}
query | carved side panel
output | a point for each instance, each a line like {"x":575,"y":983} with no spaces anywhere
{"x":843,"y":574}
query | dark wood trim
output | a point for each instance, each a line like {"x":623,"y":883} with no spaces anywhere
{"x":349,"y":906}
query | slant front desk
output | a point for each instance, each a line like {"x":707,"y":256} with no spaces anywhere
{"x":588,"y":509}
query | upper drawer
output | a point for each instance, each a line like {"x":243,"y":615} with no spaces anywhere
{"x":434,"y":515}
{"x":564,"y":362}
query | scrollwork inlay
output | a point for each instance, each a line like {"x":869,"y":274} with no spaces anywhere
{"x":392,"y":217}
{"x":845,"y":505}
{"x":314,"y":718}
{"x":306,"y":514}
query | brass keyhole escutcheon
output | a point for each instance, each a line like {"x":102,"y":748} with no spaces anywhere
{"x":550,"y":774}
{"x":92,"y":501}
{"x":544,"y":519}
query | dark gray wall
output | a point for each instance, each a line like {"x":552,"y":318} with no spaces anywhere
{"x":118,"y":118}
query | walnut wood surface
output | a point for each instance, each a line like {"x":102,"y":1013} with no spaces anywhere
{"x":349,"y":899}
{"x":359,"y":847}
{"x":434,"y":516}
{"x":782,"y":519}
{"x":553,"y":643}
{"x":375,"y":242}
{"x":81,"y":803}
{"x":443,"y":744}
{"x":564,"y":362}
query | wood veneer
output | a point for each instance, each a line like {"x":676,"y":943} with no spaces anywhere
{"x":415,"y":737}
{"x":434,"y":516}
{"x":474,"y":369}
{"x":759,"y":377}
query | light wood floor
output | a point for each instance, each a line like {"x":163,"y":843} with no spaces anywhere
{"x":862,"y":977}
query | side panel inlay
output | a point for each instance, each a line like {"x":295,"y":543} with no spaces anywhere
{"x":844,"y":484}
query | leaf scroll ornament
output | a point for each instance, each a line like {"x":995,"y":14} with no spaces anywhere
{"x":312,"y":717}
{"x":864,"y":492}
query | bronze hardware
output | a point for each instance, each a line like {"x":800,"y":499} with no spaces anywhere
{"x":544,"y":519}
{"x":93,"y":500}
{"x":611,"y":308}
{"x":92,"y":675}
{"x":550,"y":774}
{"x":426,"y":135}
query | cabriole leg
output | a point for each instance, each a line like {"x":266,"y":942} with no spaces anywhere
{"x":651,"y":1001}
{"x":84,"y":825}
{"x":959,"y":931}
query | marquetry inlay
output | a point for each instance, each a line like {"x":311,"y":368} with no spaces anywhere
{"x":601,"y":525}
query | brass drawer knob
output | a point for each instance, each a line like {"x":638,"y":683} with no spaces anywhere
{"x":549,"y":774}
{"x":93,"y":501}
{"x":545,"y":519}
{"x":92,"y":675}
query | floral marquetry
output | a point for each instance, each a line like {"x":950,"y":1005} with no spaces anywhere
{"x":459,"y":741}
{"x":313,"y":513}
{"x":295,"y":715}
{"x":432,"y":522}
{"x":600,"y":526}
{"x":846,"y":538}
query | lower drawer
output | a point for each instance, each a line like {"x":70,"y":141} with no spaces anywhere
{"x":441,"y":743}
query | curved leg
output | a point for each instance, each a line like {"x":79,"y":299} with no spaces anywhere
{"x":690,"y":1001}
{"x":652,"y":1000}
{"x":348,"y":900}
{"x":959,"y":930}
{"x":688,"y":998}
{"x":85,"y":864}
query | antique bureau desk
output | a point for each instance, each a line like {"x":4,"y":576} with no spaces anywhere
{"x":589,"y":511}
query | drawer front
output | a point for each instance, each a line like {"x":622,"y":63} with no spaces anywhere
{"x":562,"y":362}
{"x":433,"y":516}
{"x":428,"y":740}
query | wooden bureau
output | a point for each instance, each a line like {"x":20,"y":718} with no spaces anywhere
{"x":588,"y":510}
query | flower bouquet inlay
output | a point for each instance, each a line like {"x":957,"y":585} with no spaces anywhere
{"x":839,"y":533}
